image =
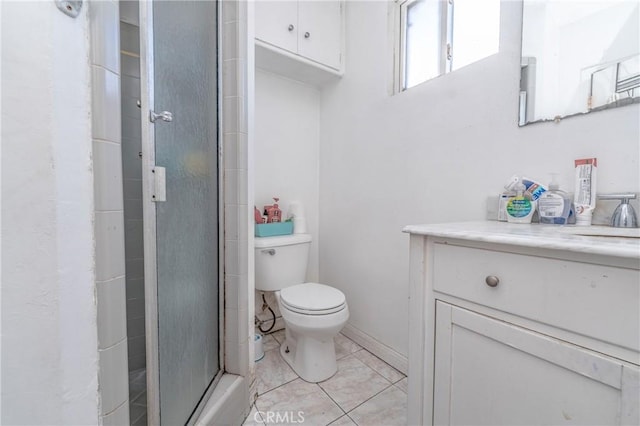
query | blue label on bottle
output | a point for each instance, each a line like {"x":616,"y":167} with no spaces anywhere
{"x":534,"y":189}
{"x":519,"y":207}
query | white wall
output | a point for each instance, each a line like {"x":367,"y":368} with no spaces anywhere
{"x":287,"y":133}
{"x":433,"y":154}
{"x":49,"y":334}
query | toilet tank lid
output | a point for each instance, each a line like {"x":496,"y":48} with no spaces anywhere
{"x":281,"y":240}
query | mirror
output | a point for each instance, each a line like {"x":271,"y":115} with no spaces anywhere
{"x":578,"y":57}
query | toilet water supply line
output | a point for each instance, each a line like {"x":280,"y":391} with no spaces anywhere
{"x":259,"y":322}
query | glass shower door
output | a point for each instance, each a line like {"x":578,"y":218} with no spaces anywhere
{"x":184,"y":84}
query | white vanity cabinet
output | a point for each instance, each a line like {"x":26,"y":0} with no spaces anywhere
{"x":519,"y":324}
{"x":306,"y":35}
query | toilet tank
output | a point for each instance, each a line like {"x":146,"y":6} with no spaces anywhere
{"x":281,"y":261}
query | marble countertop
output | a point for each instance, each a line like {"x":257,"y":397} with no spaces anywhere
{"x":536,"y":235}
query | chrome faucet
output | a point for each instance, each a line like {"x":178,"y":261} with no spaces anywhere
{"x":624,"y":215}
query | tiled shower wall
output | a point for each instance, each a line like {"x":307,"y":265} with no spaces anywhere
{"x":235,"y":147}
{"x":132,"y":177}
{"x":109,"y":214}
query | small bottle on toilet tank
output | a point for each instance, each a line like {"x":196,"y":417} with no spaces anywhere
{"x":274,"y":214}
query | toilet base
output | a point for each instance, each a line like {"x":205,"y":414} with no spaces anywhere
{"x":313,"y":360}
{"x":308,"y":347}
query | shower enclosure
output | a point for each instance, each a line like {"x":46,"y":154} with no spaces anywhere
{"x":178,"y":166}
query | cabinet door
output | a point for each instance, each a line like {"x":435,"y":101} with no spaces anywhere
{"x":276,"y":23}
{"x":494,"y":373}
{"x":320,"y":31}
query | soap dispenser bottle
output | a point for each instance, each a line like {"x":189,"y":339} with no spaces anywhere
{"x":520,"y":208}
{"x":554,"y":206}
{"x":274,"y":214}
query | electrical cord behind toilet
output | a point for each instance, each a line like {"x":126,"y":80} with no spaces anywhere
{"x":273,"y":314}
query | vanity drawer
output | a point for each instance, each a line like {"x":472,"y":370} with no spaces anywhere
{"x":592,"y":300}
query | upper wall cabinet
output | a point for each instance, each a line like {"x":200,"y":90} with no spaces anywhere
{"x":309,"y":33}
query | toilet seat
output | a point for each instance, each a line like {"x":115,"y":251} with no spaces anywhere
{"x":312,"y":299}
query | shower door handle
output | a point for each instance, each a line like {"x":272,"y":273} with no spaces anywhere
{"x":164,"y":116}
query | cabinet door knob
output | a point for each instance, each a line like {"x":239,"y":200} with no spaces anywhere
{"x":307,"y":35}
{"x":291,"y":27}
{"x":492,"y":280}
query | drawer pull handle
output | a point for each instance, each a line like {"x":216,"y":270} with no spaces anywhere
{"x":492,"y":281}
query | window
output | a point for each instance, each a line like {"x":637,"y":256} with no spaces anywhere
{"x":439,"y":36}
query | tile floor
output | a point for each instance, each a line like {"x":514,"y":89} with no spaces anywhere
{"x":365,"y":391}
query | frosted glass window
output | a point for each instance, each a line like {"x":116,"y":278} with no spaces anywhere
{"x":476,"y":31}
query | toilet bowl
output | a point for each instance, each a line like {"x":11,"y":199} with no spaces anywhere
{"x":313,"y":313}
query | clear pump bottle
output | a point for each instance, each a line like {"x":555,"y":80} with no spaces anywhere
{"x":520,"y":208}
{"x":554,"y":206}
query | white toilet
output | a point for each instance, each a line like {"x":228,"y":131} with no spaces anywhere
{"x":313,"y":313}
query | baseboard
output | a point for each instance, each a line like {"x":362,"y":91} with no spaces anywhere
{"x":382,"y":351}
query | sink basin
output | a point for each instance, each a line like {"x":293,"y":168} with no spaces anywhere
{"x":601,"y":231}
